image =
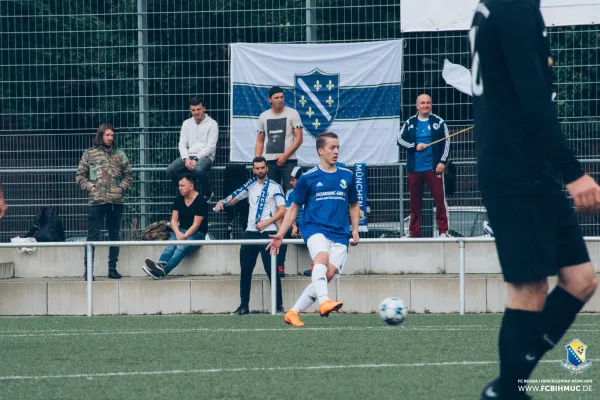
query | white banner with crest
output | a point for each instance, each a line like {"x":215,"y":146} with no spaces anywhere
{"x":352,"y":89}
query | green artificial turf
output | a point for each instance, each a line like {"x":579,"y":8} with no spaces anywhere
{"x":345,"y":356}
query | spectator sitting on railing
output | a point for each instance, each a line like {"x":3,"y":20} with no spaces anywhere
{"x":197,"y":147}
{"x":267,"y":206}
{"x":105,"y":172}
{"x":189,"y":221}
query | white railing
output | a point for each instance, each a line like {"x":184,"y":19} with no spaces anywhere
{"x":460,"y":241}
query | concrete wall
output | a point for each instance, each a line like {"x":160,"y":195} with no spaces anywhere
{"x":360,"y":293}
{"x":365,"y":259}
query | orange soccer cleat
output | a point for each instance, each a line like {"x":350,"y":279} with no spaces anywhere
{"x":328,"y":306}
{"x":293,"y":318}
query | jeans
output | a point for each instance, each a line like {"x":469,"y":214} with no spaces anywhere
{"x":203,"y":164}
{"x":172,"y":255}
{"x":281,"y":175}
{"x":114,"y":217}
{"x":248,"y":255}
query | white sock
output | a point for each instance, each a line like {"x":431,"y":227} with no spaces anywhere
{"x":319,"y":280}
{"x":306,"y":299}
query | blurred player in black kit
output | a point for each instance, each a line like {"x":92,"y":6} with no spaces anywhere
{"x":521,"y":157}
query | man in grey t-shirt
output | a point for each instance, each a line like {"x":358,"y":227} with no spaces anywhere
{"x":279,"y":136}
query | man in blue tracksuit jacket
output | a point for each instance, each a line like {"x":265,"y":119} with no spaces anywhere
{"x":425,"y":164}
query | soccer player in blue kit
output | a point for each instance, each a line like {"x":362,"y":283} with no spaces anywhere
{"x":326,"y":191}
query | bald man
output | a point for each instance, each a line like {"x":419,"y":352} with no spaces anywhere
{"x":425,"y":164}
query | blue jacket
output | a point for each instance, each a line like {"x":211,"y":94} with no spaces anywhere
{"x":408,"y":137}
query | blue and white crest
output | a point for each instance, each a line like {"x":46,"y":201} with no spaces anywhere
{"x":316,"y":98}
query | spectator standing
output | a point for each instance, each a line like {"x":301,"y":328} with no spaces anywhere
{"x":197,"y":147}
{"x":267,"y":206}
{"x":425,"y":164}
{"x":105,"y":173}
{"x":279,"y":136}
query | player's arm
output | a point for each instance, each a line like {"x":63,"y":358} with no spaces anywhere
{"x":289,"y":217}
{"x":354,"y":219}
{"x":517,"y":35}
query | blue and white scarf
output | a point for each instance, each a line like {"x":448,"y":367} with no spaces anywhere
{"x":261,"y":200}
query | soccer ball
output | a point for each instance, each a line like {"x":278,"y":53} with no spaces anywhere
{"x":393,"y":311}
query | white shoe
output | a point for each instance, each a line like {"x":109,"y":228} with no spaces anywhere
{"x":445,"y":235}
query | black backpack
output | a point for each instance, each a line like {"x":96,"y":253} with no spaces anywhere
{"x":47,"y":226}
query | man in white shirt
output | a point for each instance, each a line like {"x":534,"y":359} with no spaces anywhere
{"x":267,"y":206}
{"x":279,"y":136}
{"x":197,"y":147}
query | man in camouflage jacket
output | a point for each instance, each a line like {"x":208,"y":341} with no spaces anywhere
{"x":105,"y":172}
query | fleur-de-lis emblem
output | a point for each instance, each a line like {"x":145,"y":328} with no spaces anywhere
{"x":318,"y":86}
{"x":316,"y":124}
{"x":329,"y":101}
{"x":330,"y":85}
{"x":310,"y":112}
{"x":302,"y":101}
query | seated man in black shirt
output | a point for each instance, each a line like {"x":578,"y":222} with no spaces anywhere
{"x":188,"y":221}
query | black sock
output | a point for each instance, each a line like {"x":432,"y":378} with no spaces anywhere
{"x":519,"y":340}
{"x":560,"y":310}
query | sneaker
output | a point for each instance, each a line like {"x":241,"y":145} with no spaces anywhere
{"x":151,"y":273}
{"x":281,"y":271}
{"x":151,"y":268}
{"x":444,"y":235}
{"x":113,"y":274}
{"x":328,"y":306}
{"x":293,"y":318}
{"x":241,"y":311}
{"x":161,"y":265}
{"x":280,"y":310}
{"x":308,"y":272}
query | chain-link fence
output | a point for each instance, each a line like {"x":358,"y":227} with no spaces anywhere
{"x":67,"y":66}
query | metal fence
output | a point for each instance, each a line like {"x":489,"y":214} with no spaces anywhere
{"x":66,"y":67}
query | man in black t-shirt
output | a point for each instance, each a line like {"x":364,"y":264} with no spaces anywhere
{"x":521,"y":156}
{"x":189,"y":221}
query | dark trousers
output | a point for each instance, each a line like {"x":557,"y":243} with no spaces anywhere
{"x":435,"y":183}
{"x":282,"y":175}
{"x":114,"y":217}
{"x":200,"y":170}
{"x":248,"y":255}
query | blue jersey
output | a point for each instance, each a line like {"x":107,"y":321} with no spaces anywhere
{"x":289,"y":199}
{"x":326,"y":196}
{"x":424,"y":159}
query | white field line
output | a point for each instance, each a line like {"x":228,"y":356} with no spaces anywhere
{"x":449,"y":328}
{"x":256,"y":369}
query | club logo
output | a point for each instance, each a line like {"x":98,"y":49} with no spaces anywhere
{"x":575,"y":362}
{"x":316,"y":98}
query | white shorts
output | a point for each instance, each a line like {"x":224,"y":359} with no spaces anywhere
{"x":338,"y":252}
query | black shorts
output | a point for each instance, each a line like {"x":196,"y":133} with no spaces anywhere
{"x":535,"y":236}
